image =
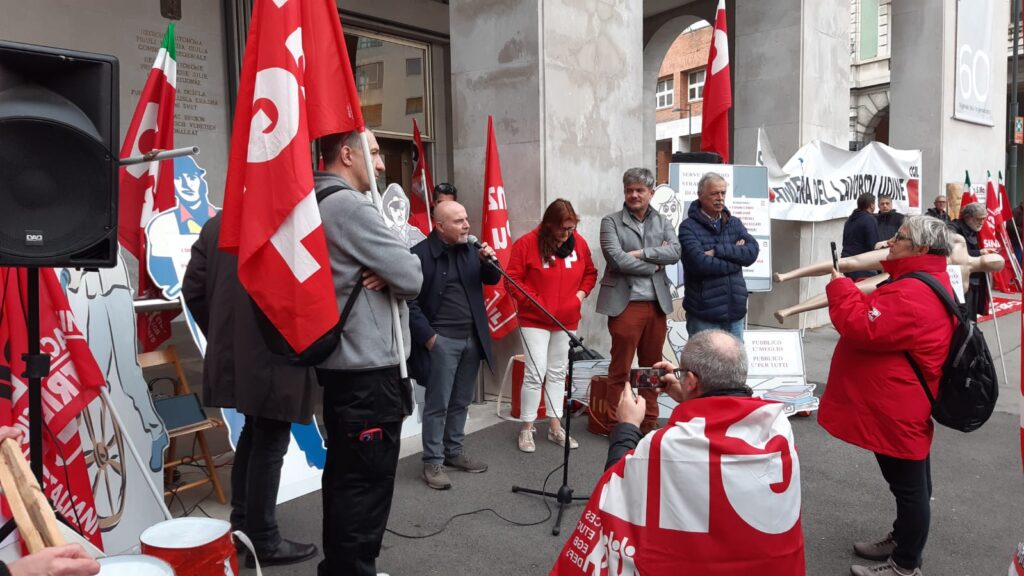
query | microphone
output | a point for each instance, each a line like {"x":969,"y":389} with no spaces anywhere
{"x":476,"y":244}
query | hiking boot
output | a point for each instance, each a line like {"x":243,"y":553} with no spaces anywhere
{"x":465,"y":463}
{"x":880,"y":550}
{"x":559,"y":438}
{"x":888,"y":569}
{"x":526,"y":443}
{"x":436,"y":477}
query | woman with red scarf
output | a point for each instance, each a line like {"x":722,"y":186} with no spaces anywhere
{"x":552,"y":263}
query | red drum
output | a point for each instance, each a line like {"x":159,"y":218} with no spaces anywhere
{"x":193,"y":546}
{"x":134,"y":565}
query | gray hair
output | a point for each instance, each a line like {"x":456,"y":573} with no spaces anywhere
{"x":929,"y":232}
{"x":973,"y":210}
{"x":717,"y":358}
{"x":638,"y":176}
{"x":707,"y":178}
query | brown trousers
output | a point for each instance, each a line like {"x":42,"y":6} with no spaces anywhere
{"x":640,"y":330}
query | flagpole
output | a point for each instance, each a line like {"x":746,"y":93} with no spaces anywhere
{"x":426,"y":195}
{"x":396,"y":320}
{"x":1014,"y":265}
{"x":995,"y":320}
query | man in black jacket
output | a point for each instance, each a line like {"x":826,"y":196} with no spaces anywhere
{"x":972,"y":218}
{"x":448,"y":322}
{"x":240,"y":372}
{"x":889,"y":220}
{"x":860,"y":233}
{"x":939,"y":210}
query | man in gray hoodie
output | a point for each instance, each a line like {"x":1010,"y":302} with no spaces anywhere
{"x":365,"y":399}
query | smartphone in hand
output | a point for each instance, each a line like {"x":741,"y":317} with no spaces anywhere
{"x":835,"y":258}
{"x":646,"y":377}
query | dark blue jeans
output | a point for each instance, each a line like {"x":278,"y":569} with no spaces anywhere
{"x":695,"y":325}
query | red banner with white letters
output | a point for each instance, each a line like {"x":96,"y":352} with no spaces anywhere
{"x":501,"y":309}
{"x":73,"y":382}
{"x":714,"y":493}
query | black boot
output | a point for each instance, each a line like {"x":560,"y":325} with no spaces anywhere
{"x":287,"y":552}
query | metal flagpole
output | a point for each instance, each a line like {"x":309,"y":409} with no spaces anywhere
{"x":426,"y":195}
{"x":995,"y":320}
{"x":396,"y":320}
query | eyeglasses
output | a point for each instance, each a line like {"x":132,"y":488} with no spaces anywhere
{"x":899,"y":237}
{"x":568,"y":229}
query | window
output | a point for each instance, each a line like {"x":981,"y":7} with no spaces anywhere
{"x":868,"y":29}
{"x":370,"y":76}
{"x":373,"y":115}
{"x":413,"y":66}
{"x":695,"y":83}
{"x":665,"y":92}
{"x":391,"y":103}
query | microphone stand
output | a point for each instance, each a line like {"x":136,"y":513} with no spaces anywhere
{"x":577,"y":351}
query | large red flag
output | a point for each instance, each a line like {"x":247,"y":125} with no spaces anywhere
{"x":993,"y":235}
{"x":714,"y":493}
{"x":495,"y":229}
{"x":296,"y":85}
{"x":74,"y":381}
{"x":714,"y":128}
{"x":148,"y":189}
{"x":418,"y":216}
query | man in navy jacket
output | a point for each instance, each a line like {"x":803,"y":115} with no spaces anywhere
{"x":450,"y":335}
{"x":716,"y":247}
{"x":860,"y":233}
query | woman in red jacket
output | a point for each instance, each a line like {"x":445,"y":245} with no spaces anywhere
{"x":553,"y":264}
{"x":873,"y":398}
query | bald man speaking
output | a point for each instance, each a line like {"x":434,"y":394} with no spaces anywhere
{"x":449,"y":330}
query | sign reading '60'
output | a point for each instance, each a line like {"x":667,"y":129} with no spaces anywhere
{"x":972,"y":101}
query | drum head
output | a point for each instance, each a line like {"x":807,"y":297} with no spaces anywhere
{"x":181,"y":533}
{"x":134,"y":565}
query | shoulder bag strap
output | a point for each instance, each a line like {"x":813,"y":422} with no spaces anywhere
{"x":352,"y":298}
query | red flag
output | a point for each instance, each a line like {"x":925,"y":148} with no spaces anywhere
{"x":296,"y":85}
{"x":418,"y":216}
{"x":74,"y":381}
{"x":717,"y":91}
{"x":715,"y":493}
{"x":147,"y":189}
{"x":494,"y":227}
{"x":1007,"y":210}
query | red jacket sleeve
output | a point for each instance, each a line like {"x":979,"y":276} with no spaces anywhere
{"x":516,"y":270}
{"x":589,"y":270}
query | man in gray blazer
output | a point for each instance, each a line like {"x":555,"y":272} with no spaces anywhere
{"x":637,"y":242}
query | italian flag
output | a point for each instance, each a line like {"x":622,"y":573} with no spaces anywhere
{"x":147,"y":189}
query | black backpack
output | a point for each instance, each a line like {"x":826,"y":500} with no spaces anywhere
{"x":323,"y":346}
{"x":968,"y":387}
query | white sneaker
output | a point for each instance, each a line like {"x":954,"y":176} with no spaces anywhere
{"x":526,"y":443}
{"x":559,"y":438}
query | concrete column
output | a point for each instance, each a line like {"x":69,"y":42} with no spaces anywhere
{"x":792,"y":76}
{"x":562,"y":79}
{"x":923,"y":75}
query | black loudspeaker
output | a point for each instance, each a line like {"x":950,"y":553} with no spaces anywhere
{"x":696,"y":158}
{"x":58,"y":157}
